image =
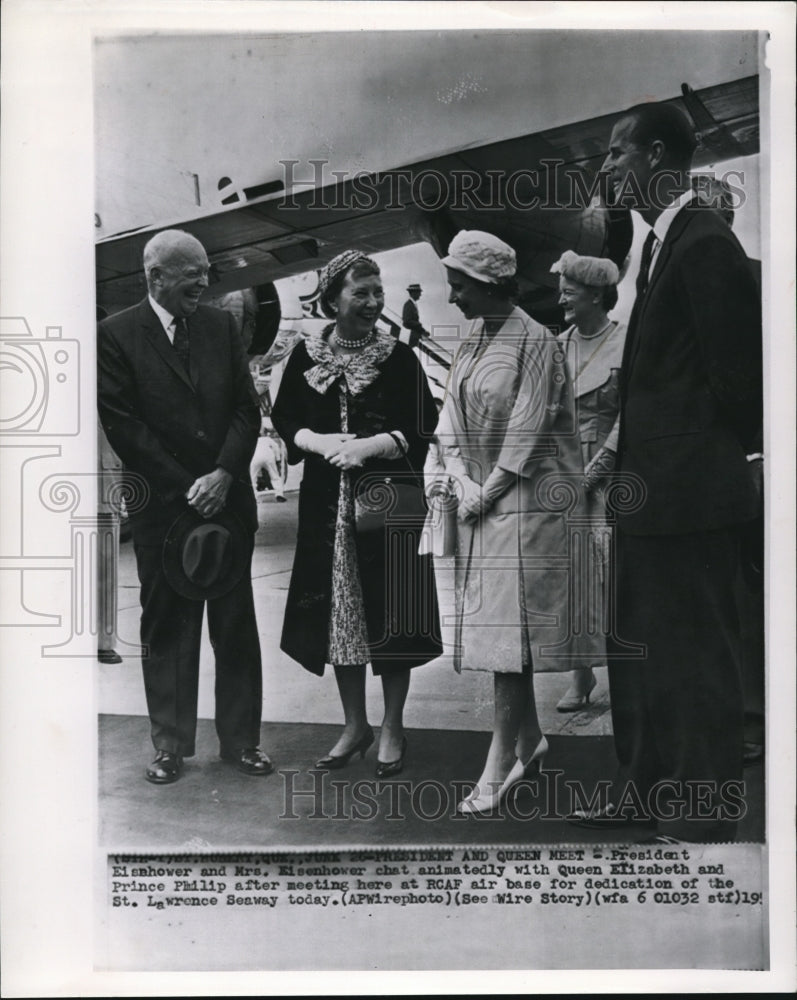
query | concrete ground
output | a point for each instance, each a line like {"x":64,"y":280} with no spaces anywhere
{"x":448,"y":717}
{"x":439,"y":697}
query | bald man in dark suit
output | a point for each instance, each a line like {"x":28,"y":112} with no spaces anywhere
{"x":178,"y":405}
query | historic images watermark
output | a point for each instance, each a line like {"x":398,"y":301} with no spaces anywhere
{"x":315,"y":795}
{"x":553,"y":184}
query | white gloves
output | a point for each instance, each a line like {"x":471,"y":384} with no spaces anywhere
{"x":477,"y":500}
{"x":345,"y":451}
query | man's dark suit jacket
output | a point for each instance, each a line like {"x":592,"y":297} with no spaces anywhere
{"x":170,"y":428}
{"x":691,"y":383}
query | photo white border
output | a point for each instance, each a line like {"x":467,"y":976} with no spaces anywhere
{"x":48,"y":708}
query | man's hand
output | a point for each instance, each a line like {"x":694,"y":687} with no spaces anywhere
{"x":208,"y":494}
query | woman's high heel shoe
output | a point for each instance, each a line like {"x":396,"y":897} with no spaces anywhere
{"x":479,"y":803}
{"x":335,"y":762}
{"x":573,"y":700}
{"x":532,"y":766}
{"x":520,"y":770}
{"x":385,"y":770}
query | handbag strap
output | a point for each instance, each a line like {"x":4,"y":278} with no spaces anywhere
{"x":403,"y":449}
{"x":401,"y":445}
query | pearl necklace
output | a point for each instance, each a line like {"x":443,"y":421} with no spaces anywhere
{"x":592,"y":336}
{"x":351,"y":344}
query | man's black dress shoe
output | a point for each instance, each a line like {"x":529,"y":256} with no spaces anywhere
{"x":165,"y":769}
{"x":249,"y":760}
{"x":753,"y":753}
{"x":386,"y":769}
{"x":606,"y":818}
{"x":660,"y":838}
{"x":108,"y":656}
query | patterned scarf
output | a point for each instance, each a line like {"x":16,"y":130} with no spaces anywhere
{"x":358,"y":370}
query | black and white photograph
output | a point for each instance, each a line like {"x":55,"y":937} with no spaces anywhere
{"x":396,"y":498}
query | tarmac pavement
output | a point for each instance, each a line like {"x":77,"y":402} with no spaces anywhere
{"x":443,"y":708}
{"x":439,"y":698}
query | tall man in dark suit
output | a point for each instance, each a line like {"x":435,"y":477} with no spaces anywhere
{"x":690,"y":412}
{"x":178,"y":405}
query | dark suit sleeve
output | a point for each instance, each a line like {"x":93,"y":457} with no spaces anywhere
{"x":129,"y":436}
{"x":724,"y":306}
{"x":244,"y":430}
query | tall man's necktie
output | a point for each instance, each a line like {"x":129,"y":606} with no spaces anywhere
{"x":644,"y":267}
{"x":641,"y":287}
{"x":181,"y":346}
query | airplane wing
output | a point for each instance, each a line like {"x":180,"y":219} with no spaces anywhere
{"x":505,"y":187}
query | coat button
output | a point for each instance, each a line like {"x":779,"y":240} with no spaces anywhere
{"x":201,"y":435}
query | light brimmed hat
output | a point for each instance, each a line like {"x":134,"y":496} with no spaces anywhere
{"x":481,"y":256}
{"x":593,"y":271}
{"x":204,"y":558}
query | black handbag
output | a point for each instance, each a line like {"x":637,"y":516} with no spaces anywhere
{"x":381,"y":500}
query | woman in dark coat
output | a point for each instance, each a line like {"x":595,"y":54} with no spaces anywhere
{"x":355,"y":406}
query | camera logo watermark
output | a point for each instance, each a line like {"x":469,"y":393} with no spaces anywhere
{"x":40,"y":405}
{"x":39,"y":381}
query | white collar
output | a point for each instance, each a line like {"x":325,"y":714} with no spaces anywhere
{"x":662,"y":225}
{"x":163,"y":315}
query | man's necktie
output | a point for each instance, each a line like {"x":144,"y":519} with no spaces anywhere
{"x":644,"y":267}
{"x":181,"y":347}
{"x":641,"y":287}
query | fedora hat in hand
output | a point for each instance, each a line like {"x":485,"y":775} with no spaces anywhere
{"x":204,"y":558}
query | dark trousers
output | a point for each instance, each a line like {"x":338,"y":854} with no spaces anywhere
{"x":171,"y":627}
{"x":677,"y":712}
{"x":750,"y":597}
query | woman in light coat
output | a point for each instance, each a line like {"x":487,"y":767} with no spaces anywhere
{"x":511,"y":446}
{"x":594,"y":345}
